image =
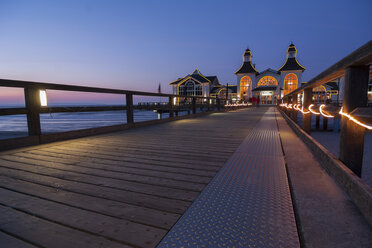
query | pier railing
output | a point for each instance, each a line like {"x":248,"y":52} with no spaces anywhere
{"x":33,"y":108}
{"x":355,"y":113}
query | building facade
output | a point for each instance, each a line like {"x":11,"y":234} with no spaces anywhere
{"x":196,"y":84}
{"x":269,"y":85}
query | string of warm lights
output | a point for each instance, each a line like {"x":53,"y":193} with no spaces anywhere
{"x":303,"y":111}
{"x":354,"y":120}
{"x":322,"y":113}
{"x":312,"y":111}
{"x":238,"y":104}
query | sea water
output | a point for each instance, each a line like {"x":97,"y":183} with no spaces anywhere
{"x":13,"y":126}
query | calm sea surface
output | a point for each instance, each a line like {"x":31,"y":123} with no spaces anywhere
{"x":16,"y":125}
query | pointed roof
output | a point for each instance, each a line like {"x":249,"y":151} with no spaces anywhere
{"x":291,"y":64}
{"x":196,"y":75}
{"x":247,"y":66}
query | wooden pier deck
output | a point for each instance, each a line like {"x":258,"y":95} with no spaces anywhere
{"x":123,"y":189}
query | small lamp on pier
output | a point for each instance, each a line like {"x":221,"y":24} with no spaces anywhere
{"x":43,"y":98}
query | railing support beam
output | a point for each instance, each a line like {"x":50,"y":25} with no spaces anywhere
{"x":171,"y":107}
{"x":194,"y":105}
{"x":352,"y":135}
{"x":129,"y":101}
{"x":32,"y":101}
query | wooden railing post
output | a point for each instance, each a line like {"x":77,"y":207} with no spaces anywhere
{"x":129,"y":100}
{"x":317,"y":122}
{"x":325,"y":123}
{"x":352,"y":135}
{"x":32,"y":101}
{"x":194,"y":105}
{"x":171,"y":111}
{"x":218,"y":104}
{"x":306,"y":118}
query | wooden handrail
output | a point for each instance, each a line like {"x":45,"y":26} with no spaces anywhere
{"x":66,"y":87}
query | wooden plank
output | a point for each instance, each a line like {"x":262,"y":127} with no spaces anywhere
{"x":31,"y":174}
{"x":48,"y":234}
{"x":145,"y":156}
{"x":53,"y":157}
{"x":124,"y":177}
{"x":103,"y":178}
{"x":111,"y":228}
{"x":13,"y":242}
{"x":155,"y":152}
{"x":136,"y":158}
{"x":169,"y":149}
{"x":125,"y":166}
{"x":90,"y":157}
{"x":113,"y":208}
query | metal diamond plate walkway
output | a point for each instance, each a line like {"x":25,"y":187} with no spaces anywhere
{"x":247,"y":204}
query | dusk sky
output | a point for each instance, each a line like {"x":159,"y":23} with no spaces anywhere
{"x":136,"y":45}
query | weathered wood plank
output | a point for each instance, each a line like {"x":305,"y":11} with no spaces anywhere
{"x":139,"y":199}
{"x":78,"y":174}
{"x":92,"y":157}
{"x":100,"y":225}
{"x":58,"y":158}
{"x":48,"y":234}
{"x":13,"y":242}
{"x":120,"y":210}
{"x":61,"y":168}
{"x":143,"y":157}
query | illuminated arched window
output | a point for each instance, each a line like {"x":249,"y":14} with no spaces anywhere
{"x":190,"y":88}
{"x":245,"y":82}
{"x":222,"y":93}
{"x":267,"y":81}
{"x":290,"y":83}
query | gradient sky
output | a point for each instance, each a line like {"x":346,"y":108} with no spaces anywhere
{"x":138,"y":44}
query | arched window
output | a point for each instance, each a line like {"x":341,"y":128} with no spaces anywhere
{"x":319,"y":94}
{"x":267,"y":81}
{"x":190,"y":88}
{"x":245,"y":82}
{"x":290,"y":83}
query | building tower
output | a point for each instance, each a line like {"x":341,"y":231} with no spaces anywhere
{"x":246,"y":77}
{"x":291,"y":71}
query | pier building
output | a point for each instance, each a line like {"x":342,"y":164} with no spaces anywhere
{"x":270,"y":85}
{"x":196,"y":84}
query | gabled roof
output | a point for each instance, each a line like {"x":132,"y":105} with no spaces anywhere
{"x":291,"y":64}
{"x":196,"y":75}
{"x":247,"y":67}
{"x":211,"y":78}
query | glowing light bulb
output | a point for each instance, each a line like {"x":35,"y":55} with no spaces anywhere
{"x":43,"y":98}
